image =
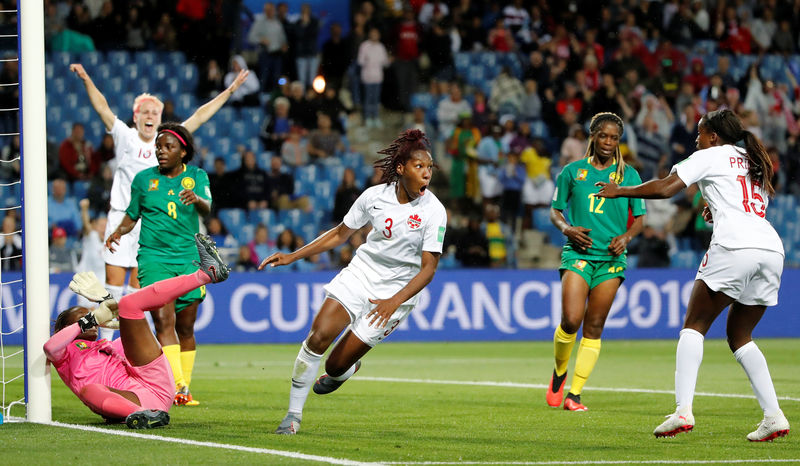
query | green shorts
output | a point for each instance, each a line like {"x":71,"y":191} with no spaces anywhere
{"x":594,"y":272}
{"x":152,"y":271}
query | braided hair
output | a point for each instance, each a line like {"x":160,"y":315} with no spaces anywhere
{"x":730,"y":130}
{"x":184,"y":137}
{"x":594,"y":127}
{"x":399,"y":152}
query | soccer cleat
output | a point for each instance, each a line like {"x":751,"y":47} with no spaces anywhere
{"x":675,"y":424}
{"x":325,"y":384}
{"x":770,"y":428}
{"x":573,"y":403}
{"x":289,"y":426}
{"x":210,"y":261}
{"x":147,"y":419}
{"x":555,"y":392}
{"x":183,"y":397}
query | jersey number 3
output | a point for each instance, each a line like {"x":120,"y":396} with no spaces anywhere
{"x":387,"y":231}
{"x":746,"y":202}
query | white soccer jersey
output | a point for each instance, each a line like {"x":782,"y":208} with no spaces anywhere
{"x":737,"y":205}
{"x":392,"y":254}
{"x":132,"y":156}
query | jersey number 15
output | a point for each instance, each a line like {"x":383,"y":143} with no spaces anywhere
{"x":746,"y":202}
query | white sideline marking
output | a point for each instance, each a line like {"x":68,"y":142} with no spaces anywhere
{"x":538,"y":385}
{"x":223,"y":446}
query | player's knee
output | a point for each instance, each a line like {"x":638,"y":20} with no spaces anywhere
{"x":570,"y":326}
{"x":592,"y":330}
{"x":318,"y":342}
{"x":184,"y":331}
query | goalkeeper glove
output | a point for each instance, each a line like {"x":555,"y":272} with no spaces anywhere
{"x":87,"y":285}
{"x":103,"y":316}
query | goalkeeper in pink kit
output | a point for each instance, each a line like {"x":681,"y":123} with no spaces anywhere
{"x":129,"y":378}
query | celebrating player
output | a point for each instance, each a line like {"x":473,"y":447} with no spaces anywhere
{"x":378,"y":290}
{"x":129,"y":378}
{"x":742,"y":267}
{"x":134,"y":150}
{"x":169,"y":199}
{"x":593,"y":260}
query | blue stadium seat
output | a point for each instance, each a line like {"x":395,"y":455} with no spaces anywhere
{"x":244,"y":233}
{"x":82,"y":115}
{"x":252,"y":117}
{"x":222,"y":147}
{"x":95,"y":129}
{"x":254,"y":144}
{"x":423,"y":100}
{"x":49,"y":71}
{"x":118,"y":58}
{"x":475,"y":74}
{"x":102,"y":73}
{"x":291,"y":218}
{"x":333,"y":173}
{"x":236,"y":130}
{"x":130,"y":72}
{"x":232,"y":218}
{"x":353,"y":160}
{"x":188,"y":75}
{"x":323,"y":195}
{"x":61,"y":59}
{"x":306,"y":173}
{"x":157,"y":72}
{"x":225,"y":116}
{"x":308,"y":231}
{"x":233,"y":160}
{"x":462,"y":61}
{"x":141,"y":85}
{"x":90,"y":59}
{"x":57,"y":86}
{"x":145,"y":59}
{"x":539,"y":129}
{"x":264,"y":159}
{"x":262,"y":216}
{"x":487,"y":59}
{"x":79,"y":189}
{"x":186,"y":104}
{"x":114,"y":86}
{"x":174,"y":59}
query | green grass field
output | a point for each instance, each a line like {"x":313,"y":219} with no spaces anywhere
{"x":435,"y":403}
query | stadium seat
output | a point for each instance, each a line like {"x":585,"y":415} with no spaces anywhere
{"x":79,"y":189}
{"x":185,"y":104}
{"x":475,"y":74}
{"x":188,"y":75}
{"x":352,"y":160}
{"x":145,"y":59}
{"x":157,"y":72}
{"x":221,"y":147}
{"x":422,"y":100}
{"x":118,"y":58}
{"x":262,"y":216}
{"x":333,"y":173}
{"x":264,"y":159}
{"x":291,"y":218}
{"x":254,"y":144}
{"x":171,"y":89}
{"x":61,"y":60}
{"x":487,"y":59}
{"x":539,"y":129}
{"x":232,"y":218}
{"x":174,"y":59}
{"x":82,"y":115}
{"x":141,"y":85}
{"x":236,"y":130}
{"x":306,"y":173}
{"x":57,"y":86}
{"x":462,"y":61}
{"x":309,"y":231}
{"x":243,"y":233}
{"x":323,"y":195}
{"x":102,"y":73}
{"x":90,"y":59}
{"x":49,"y":71}
{"x":225,"y":116}
{"x":95,"y":129}
{"x":252,"y":118}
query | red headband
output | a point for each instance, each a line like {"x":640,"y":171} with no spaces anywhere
{"x":176,"y":135}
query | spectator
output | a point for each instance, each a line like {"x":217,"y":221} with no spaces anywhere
{"x":244,"y":260}
{"x":490,"y":151}
{"x":652,"y":147}
{"x":331,"y":105}
{"x":574,"y":146}
{"x":346,"y":195}
{"x":168,"y":114}
{"x":281,"y":188}
{"x":659,"y":111}
{"x":472,"y":246}
{"x":305,"y":32}
{"x":335,"y":59}
{"x":251,"y":184}
{"x":77,"y":155}
{"x":439,"y":47}
{"x":449,"y":109}
{"x":498,"y":236}
{"x":500,"y":39}
{"x":301,"y":110}
{"x":652,"y":248}
{"x":531,"y":105}
{"x":783,"y":40}
{"x":105,"y":152}
{"x":222,"y":185}
{"x":462,"y":146}
{"x":10,"y":245}
{"x":373,"y":58}
{"x":474,"y":36}
{"x":62,"y":211}
{"x":217,"y":231}
{"x":278,"y":126}
{"x":323,"y":142}
{"x":247,"y":94}
{"x":697,"y":76}
{"x":682,"y":139}
{"x":763,"y":30}
{"x":406,"y":54}
{"x":261,"y":246}
{"x":507,"y":93}
{"x":62,"y":258}
{"x":481,"y":112}
{"x":358,"y":34}
{"x":432,"y":12}
{"x":268,"y":35}
{"x":294,"y":150}
{"x":210,"y":82}
{"x":512,"y":178}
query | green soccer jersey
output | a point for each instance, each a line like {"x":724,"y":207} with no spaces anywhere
{"x":168,"y":226}
{"x":606,"y":218}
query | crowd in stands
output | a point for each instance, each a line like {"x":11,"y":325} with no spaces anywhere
{"x":504,"y":90}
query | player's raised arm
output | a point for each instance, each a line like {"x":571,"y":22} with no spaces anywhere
{"x":207,"y":110}
{"x":324,"y":242}
{"x":96,"y":97}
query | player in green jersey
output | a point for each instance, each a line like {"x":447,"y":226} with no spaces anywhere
{"x":170,"y":198}
{"x":593,"y":260}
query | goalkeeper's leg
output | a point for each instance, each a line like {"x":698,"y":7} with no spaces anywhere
{"x":111,"y":405}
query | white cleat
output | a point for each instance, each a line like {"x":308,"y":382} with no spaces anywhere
{"x":675,"y":424}
{"x":770,"y":428}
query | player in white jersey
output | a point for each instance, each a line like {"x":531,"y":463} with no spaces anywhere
{"x":378,"y":289}
{"x":134,"y":150}
{"x":741,"y":269}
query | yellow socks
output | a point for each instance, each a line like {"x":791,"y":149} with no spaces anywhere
{"x":588,"y":352}
{"x":173,"y":354}
{"x":562,"y":347}
{"x":187,"y":364}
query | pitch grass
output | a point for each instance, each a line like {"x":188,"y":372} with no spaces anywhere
{"x":243,"y":391}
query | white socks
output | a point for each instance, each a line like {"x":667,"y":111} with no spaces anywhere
{"x":688,"y":357}
{"x":755,"y":366}
{"x":305,"y":371}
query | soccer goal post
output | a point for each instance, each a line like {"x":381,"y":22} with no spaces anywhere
{"x":36,"y":290}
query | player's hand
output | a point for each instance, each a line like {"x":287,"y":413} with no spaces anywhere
{"x":77,"y":68}
{"x":240,"y":79}
{"x":618,"y":244}
{"x":609,"y":190}
{"x":382,"y":312}
{"x":279,"y":258}
{"x":87,"y":285}
{"x":84,"y":204}
{"x":707,"y":215}
{"x":112,"y":239}
{"x":579,"y":236}
{"x":106,"y":313}
{"x":188,"y":197}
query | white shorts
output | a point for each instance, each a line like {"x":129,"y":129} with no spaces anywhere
{"x":750,"y":276}
{"x":125,"y":252}
{"x":541,"y":193}
{"x":351,"y":293}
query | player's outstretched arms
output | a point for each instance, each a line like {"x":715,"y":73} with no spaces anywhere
{"x":324,"y":242}
{"x":96,"y":97}
{"x":207,"y":110}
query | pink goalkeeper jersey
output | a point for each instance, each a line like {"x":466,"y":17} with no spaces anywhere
{"x":81,"y":362}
